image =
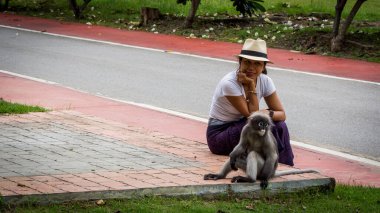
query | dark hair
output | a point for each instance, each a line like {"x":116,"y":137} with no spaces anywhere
{"x":265,"y":66}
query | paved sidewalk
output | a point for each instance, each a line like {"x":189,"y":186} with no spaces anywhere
{"x":66,"y":155}
{"x":92,"y":147}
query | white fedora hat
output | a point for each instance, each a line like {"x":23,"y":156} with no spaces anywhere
{"x":254,"y":50}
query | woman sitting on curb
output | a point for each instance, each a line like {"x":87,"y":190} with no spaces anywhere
{"x":237,"y":96}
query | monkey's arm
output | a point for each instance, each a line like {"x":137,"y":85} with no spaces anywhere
{"x":240,"y":148}
{"x":269,"y":167}
{"x":270,"y":155}
{"x":236,"y":152}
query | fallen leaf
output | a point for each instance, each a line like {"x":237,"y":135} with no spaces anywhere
{"x":250,"y":207}
{"x":100,"y":202}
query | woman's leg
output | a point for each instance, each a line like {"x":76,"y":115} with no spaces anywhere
{"x":281,"y":133}
{"x":222,"y":139}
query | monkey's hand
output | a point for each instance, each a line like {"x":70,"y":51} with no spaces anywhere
{"x":233,"y":163}
{"x":264,"y":184}
{"x":241,"y":179}
{"x":212,"y":177}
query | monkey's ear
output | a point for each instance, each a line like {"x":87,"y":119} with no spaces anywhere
{"x":250,"y":120}
{"x":252,"y":115}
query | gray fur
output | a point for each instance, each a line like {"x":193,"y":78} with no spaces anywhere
{"x":256,"y":154}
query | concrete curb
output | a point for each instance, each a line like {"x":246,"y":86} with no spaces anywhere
{"x":246,"y":190}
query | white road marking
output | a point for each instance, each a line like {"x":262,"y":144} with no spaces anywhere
{"x":336,"y":153}
{"x":28,"y":77}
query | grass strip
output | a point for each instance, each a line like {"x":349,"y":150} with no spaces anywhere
{"x":344,"y":199}
{"x":15,"y":108}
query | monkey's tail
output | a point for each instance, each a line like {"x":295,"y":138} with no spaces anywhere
{"x":294,"y":171}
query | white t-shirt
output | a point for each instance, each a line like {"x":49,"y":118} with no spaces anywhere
{"x":222,"y":109}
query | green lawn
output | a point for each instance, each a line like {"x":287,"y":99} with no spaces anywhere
{"x":369,"y":10}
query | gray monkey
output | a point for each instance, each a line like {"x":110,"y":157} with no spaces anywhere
{"x":256,"y":154}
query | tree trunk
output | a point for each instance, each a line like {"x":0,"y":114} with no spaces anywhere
{"x":190,"y":18}
{"x":84,"y":5}
{"x":148,"y":14}
{"x":351,"y":16}
{"x":78,"y":9}
{"x":74,"y":7}
{"x":6,"y":4}
{"x":337,"y":40}
{"x":338,"y":14}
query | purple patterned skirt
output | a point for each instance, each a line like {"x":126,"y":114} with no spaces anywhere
{"x":222,"y":139}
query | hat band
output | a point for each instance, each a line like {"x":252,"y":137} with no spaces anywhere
{"x":253,"y":53}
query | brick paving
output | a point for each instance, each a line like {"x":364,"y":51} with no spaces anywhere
{"x":62,"y":152}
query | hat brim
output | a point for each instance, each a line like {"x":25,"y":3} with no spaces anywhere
{"x":256,"y":58}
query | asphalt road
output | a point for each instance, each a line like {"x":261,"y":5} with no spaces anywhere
{"x":332,"y":113}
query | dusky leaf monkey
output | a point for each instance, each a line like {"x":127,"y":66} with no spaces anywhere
{"x":256,"y":154}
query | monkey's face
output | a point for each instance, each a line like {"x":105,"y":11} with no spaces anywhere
{"x":263,"y":126}
{"x":260,"y":125}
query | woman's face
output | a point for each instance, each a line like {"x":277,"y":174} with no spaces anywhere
{"x":251,"y":68}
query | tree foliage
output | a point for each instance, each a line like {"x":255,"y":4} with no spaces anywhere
{"x":248,"y":7}
{"x":245,"y":7}
{"x":182,"y":2}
